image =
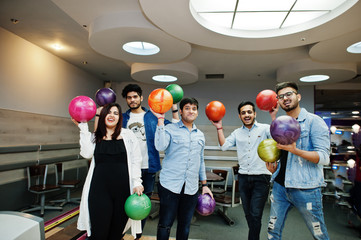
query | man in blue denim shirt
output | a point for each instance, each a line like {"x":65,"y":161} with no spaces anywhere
{"x":144,"y":123}
{"x":299,"y":176}
{"x":182,"y":169}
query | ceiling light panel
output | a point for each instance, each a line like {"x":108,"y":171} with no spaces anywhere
{"x":302,"y":5}
{"x":295,"y":18}
{"x":219,"y":19}
{"x":258,"y":20}
{"x":213,"y":5}
{"x":264,"y":5}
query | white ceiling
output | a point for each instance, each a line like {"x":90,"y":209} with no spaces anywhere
{"x":94,"y":31}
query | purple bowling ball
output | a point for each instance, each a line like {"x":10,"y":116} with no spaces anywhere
{"x":285,"y":130}
{"x":104,"y":96}
{"x":205,"y":204}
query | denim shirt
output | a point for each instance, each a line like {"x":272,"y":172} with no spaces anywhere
{"x":184,"y":157}
{"x":301,"y":173}
{"x":150,"y":125}
{"x":247,"y":141}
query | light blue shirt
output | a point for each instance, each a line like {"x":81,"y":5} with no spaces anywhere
{"x":301,"y":173}
{"x":183,"y":162}
{"x":247,"y":141}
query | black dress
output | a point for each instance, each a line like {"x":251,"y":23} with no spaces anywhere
{"x":109,"y":190}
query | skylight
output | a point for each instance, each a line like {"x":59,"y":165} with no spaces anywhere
{"x":164,"y":78}
{"x":141,"y":48}
{"x":265,"y":18}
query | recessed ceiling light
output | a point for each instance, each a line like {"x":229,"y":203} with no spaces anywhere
{"x":355,"y":116}
{"x":141,"y":48}
{"x":355,"y":112}
{"x":333,"y":113}
{"x":57,"y":46}
{"x":164,"y":78}
{"x":314,"y":78}
{"x":354,"y":48}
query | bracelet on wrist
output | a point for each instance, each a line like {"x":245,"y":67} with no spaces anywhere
{"x":97,"y":115}
{"x":204,"y":184}
{"x":219,"y":128}
{"x":161,"y":118}
{"x":175,"y":111}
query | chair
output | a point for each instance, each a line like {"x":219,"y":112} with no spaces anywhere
{"x":229,"y":199}
{"x":220,"y":189}
{"x":67,"y":184}
{"x":37,"y":177}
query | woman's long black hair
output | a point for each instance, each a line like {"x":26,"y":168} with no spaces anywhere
{"x":101,"y":130}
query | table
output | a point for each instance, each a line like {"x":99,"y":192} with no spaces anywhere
{"x":212,"y":177}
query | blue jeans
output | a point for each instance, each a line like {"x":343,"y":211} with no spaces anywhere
{"x":307,"y":201}
{"x":254,"y":191}
{"x":148,"y":184}
{"x":172,"y":205}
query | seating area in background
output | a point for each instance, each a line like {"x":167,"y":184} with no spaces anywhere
{"x":38,"y":184}
{"x":67,"y":184}
{"x":229,"y":199}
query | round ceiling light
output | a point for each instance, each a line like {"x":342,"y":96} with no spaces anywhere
{"x":314,"y":78}
{"x":164,"y":78}
{"x":354,"y":48}
{"x":141,"y":48}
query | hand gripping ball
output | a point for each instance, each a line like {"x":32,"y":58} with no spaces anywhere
{"x":285,"y":130}
{"x":266,"y":100}
{"x":137,"y":207}
{"x":205,"y":205}
{"x":215,"y":111}
{"x":160,"y":100}
{"x":105,"y":96}
{"x":176,"y":91}
{"x":267,"y":150}
{"x":82,"y":108}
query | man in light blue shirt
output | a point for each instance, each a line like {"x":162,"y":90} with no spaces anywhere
{"x":253,"y":177}
{"x":182,"y":169}
{"x":299,"y":176}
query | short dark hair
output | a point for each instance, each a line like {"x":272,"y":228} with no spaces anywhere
{"x":283,"y":85}
{"x":244,"y":103}
{"x":101,"y":130}
{"x":185,"y":101}
{"x":131,"y":88}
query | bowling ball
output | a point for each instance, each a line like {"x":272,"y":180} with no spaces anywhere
{"x":205,"y":204}
{"x":160,"y":100}
{"x":104,"y":96}
{"x":137,"y":207}
{"x":266,"y":100}
{"x":267,"y":150}
{"x":285,"y":130}
{"x":215,"y":111}
{"x":82,"y":108}
{"x":176,"y":91}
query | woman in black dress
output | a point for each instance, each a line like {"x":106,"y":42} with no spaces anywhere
{"x":114,"y":174}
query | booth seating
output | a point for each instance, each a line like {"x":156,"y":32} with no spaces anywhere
{"x":229,"y":199}
{"x":67,"y":184}
{"x":37,"y":184}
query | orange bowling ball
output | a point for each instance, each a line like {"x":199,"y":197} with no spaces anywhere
{"x":160,"y":100}
{"x":215,"y":111}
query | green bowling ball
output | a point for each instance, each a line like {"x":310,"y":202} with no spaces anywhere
{"x":176,"y":91}
{"x":137,"y":207}
{"x":267,"y":150}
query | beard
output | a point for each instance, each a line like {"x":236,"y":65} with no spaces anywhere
{"x":290,"y":107}
{"x":136,"y":106}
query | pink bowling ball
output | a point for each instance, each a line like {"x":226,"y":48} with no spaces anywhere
{"x":82,"y":108}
